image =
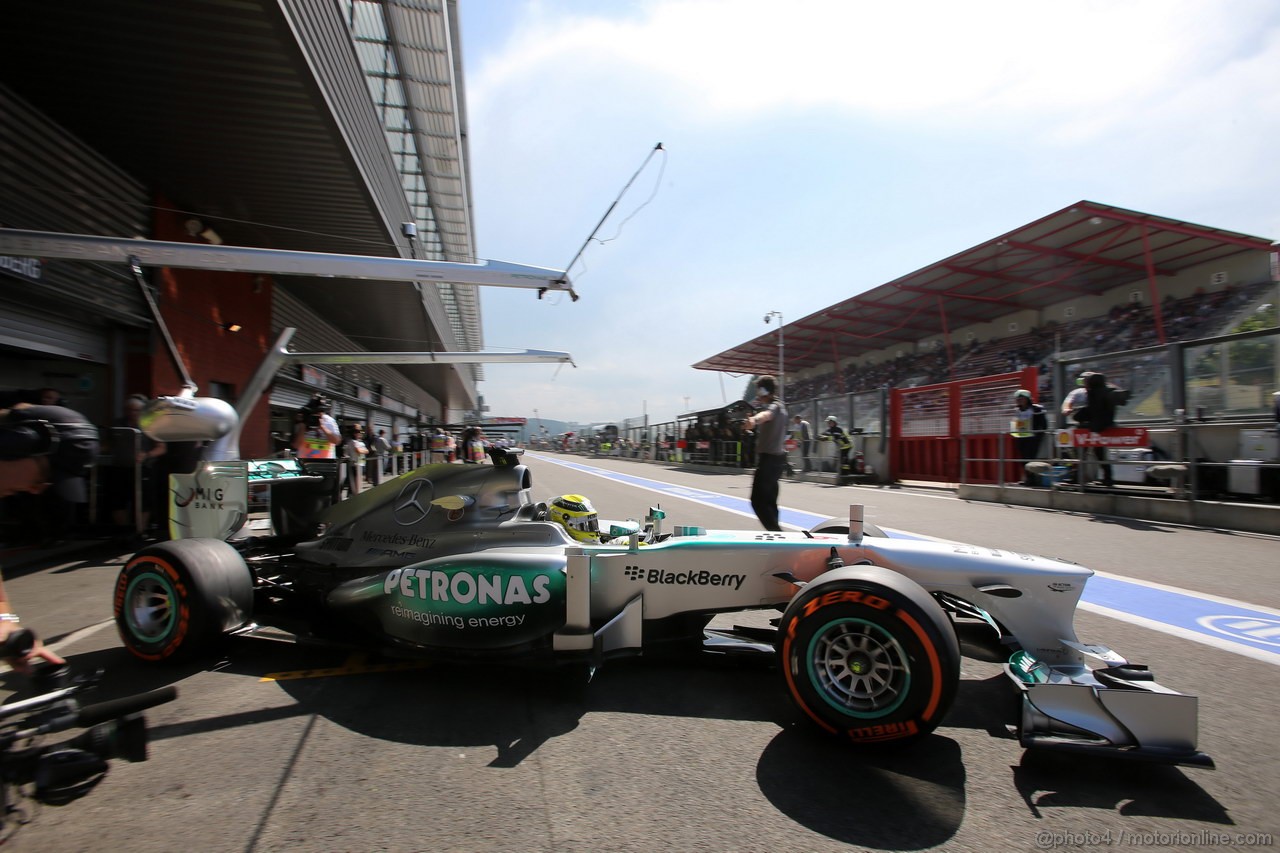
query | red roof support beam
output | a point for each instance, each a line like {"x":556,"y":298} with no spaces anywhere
{"x":1151,"y":284}
{"x":946,"y":336}
{"x":1183,"y":228}
{"x":1081,"y":256}
{"x":835,"y":364}
{"x":999,"y":275}
{"x":992,"y":299}
{"x":884,"y":306}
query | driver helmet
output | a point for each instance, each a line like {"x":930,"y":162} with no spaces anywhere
{"x":576,"y":514}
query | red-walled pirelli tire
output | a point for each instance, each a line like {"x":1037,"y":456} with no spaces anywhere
{"x":176,"y":600}
{"x":868,"y":656}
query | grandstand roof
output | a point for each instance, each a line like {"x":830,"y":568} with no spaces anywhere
{"x":1085,"y":249}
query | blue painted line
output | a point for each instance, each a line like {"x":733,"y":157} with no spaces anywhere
{"x":1210,"y":618}
{"x":1234,"y":626}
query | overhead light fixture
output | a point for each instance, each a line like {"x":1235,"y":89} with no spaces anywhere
{"x":196,"y":228}
{"x":232,"y":327}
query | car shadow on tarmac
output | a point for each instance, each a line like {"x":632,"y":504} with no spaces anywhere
{"x":517,"y":710}
{"x":906,"y":797}
{"x":1131,"y":788}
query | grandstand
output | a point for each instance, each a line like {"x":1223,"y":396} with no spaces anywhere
{"x":1088,"y":287}
{"x":1123,"y":327}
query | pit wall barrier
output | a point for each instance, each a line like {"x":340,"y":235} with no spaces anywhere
{"x":932,"y":428}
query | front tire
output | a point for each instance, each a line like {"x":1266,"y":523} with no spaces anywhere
{"x":176,"y":600}
{"x":867,"y":655}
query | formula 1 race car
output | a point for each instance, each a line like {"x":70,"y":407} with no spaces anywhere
{"x":459,"y":562}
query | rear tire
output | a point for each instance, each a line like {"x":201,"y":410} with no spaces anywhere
{"x":176,"y":600}
{"x":867,"y":655}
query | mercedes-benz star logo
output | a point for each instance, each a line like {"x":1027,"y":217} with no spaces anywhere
{"x":412,"y":505}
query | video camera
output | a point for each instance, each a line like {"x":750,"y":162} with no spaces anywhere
{"x":315,"y":407}
{"x":61,"y":772}
{"x":737,"y":412}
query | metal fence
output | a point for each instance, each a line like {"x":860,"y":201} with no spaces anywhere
{"x":1209,"y":408}
{"x":1228,"y":376}
{"x":678,"y":440}
{"x":1198,"y":399}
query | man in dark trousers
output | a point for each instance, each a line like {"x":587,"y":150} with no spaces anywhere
{"x":1098,"y":414}
{"x":770,"y":426}
{"x":1027,"y":428}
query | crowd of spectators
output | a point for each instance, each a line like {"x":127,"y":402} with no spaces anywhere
{"x":1124,"y":327}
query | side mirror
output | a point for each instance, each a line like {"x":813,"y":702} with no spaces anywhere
{"x":188,"y":419}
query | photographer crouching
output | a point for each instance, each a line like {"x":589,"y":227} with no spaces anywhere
{"x":41,"y":448}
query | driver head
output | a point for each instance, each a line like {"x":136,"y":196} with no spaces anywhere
{"x":577,"y":516}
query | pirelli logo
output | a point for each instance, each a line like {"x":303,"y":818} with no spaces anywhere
{"x":845,"y":596}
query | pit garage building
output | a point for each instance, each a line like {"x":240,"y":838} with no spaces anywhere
{"x":308,"y":125}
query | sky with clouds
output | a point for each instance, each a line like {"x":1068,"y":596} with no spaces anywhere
{"x":814,"y":149}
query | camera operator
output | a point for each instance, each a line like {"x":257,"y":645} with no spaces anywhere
{"x":41,"y":448}
{"x":316,"y":436}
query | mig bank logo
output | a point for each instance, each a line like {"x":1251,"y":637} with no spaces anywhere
{"x":200,"y":498}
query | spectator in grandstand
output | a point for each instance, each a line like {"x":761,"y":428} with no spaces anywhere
{"x":355,"y":450}
{"x":473,"y":443}
{"x":379,"y":457}
{"x":1027,"y":428}
{"x":771,"y":421}
{"x":133,"y":468}
{"x":804,"y":440}
{"x":834,"y":433}
{"x":730,"y":445}
{"x":749,"y":447}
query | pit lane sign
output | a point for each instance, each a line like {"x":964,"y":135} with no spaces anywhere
{"x":1114,"y":437}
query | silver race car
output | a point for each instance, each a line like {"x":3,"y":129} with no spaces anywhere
{"x":459,"y":562}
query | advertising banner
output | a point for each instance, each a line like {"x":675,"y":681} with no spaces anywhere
{"x":1114,"y":437}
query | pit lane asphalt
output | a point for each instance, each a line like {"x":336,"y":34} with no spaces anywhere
{"x":666,"y":755}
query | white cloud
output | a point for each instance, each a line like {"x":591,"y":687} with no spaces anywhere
{"x":737,"y":59}
{"x":820,"y":148}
